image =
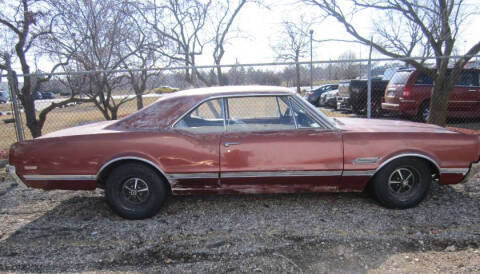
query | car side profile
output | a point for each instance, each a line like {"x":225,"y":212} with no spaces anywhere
{"x":313,"y":96}
{"x":409,"y":91}
{"x":243,"y":139}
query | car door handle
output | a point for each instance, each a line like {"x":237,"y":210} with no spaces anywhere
{"x":472,"y":90}
{"x":227,"y":144}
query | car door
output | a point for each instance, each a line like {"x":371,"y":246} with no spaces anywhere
{"x":273,"y":144}
{"x":465,"y":94}
{"x":195,"y":144}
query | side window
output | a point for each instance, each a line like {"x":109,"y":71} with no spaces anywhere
{"x":467,"y":79}
{"x":259,"y":113}
{"x":207,"y":117}
{"x":423,"y":79}
{"x":302,"y":118}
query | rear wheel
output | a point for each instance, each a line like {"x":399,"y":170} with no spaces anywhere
{"x":402,"y":183}
{"x":423,"y":112}
{"x":135,"y":191}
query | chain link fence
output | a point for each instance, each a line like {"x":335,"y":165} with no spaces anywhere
{"x":339,"y":88}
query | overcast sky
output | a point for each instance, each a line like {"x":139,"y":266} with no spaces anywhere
{"x":262,"y":27}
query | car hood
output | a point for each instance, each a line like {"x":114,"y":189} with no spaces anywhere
{"x":382,"y":125}
{"x":88,"y":129}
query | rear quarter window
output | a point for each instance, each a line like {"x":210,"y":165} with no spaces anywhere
{"x":423,"y":79}
{"x":400,"y":78}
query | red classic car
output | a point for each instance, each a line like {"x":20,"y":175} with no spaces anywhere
{"x":252,"y":139}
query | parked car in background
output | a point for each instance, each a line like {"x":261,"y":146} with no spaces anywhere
{"x":48,"y":95}
{"x":409,"y":93}
{"x":37,"y":96}
{"x":313,"y":96}
{"x":253,"y":139}
{"x":4,"y":96}
{"x":329,"y":98}
{"x":353,"y":94}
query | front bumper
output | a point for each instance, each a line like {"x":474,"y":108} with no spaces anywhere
{"x":343,"y":103}
{"x":12,"y":171}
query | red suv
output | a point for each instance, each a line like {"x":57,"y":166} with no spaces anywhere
{"x":409,"y":91}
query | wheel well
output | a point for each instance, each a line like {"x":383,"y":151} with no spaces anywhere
{"x":102,"y":177}
{"x":433,"y":168}
{"x":424,"y":102}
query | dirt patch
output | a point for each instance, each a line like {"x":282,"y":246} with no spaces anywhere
{"x":309,"y":233}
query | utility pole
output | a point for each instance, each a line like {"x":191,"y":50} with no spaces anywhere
{"x":311,"y":59}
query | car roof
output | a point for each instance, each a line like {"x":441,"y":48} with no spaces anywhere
{"x":234,"y":90}
{"x":170,"y":106}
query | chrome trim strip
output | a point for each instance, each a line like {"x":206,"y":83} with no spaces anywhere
{"x":408,"y":155}
{"x":38,"y":177}
{"x":180,"y":176}
{"x":358,"y":172}
{"x":296,"y":173}
{"x":366,"y":160}
{"x":131,"y":158}
{"x":462,"y":171}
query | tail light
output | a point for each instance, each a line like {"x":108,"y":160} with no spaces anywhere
{"x":407,"y":91}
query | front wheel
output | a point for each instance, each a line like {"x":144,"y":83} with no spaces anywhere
{"x":402,"y":183}
{"x":135,"y":191}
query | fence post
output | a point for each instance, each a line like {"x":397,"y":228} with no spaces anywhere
{"x":369,"y":85}
{"x":13,"y":95}
{"x":311,"y":59}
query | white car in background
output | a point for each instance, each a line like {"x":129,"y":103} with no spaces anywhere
{"x":329,"y":98}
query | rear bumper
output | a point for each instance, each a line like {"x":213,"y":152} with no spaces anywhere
{"x":391,"y":107}
{"x":12,"y":172}
{"x":474,"y":169}
{"x":408,"y":107}
{"x":343,"y":103}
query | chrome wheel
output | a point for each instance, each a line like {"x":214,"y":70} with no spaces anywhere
{"x":426,"y":113}
{"x":135,"y":191}
{"x":402,"y":181}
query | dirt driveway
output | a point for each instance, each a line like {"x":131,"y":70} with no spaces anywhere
{"x":301,"y":233}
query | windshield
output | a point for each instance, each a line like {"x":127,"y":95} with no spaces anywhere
{"x":319,"y":112}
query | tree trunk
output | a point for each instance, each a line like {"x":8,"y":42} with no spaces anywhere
{"x":297,"y":73}
{"x":439,"y":100}
{"x":139,"y":101}
{"x":221,"y":81}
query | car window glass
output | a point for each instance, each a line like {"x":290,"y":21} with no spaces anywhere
{"x":207,"y":117}
{"x":423,"y":79}
{"x":400,"y":77}
{"x":302,"y":118}
{"x":466,"y":79}
{"x":259,"y":113}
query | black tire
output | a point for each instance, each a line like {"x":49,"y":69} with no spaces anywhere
{"x":356,"y":109}
{"x":423,"y":112}
{"x":133,"y":178}
{"x":402,"y":195}
{"x":377,"y":109}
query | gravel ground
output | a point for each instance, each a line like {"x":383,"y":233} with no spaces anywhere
{"x":63,"y":231}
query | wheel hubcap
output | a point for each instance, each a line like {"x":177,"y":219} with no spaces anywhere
{"x":135,"y":190}
{"x":401,"y":181}
{"x":426,"y":114}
